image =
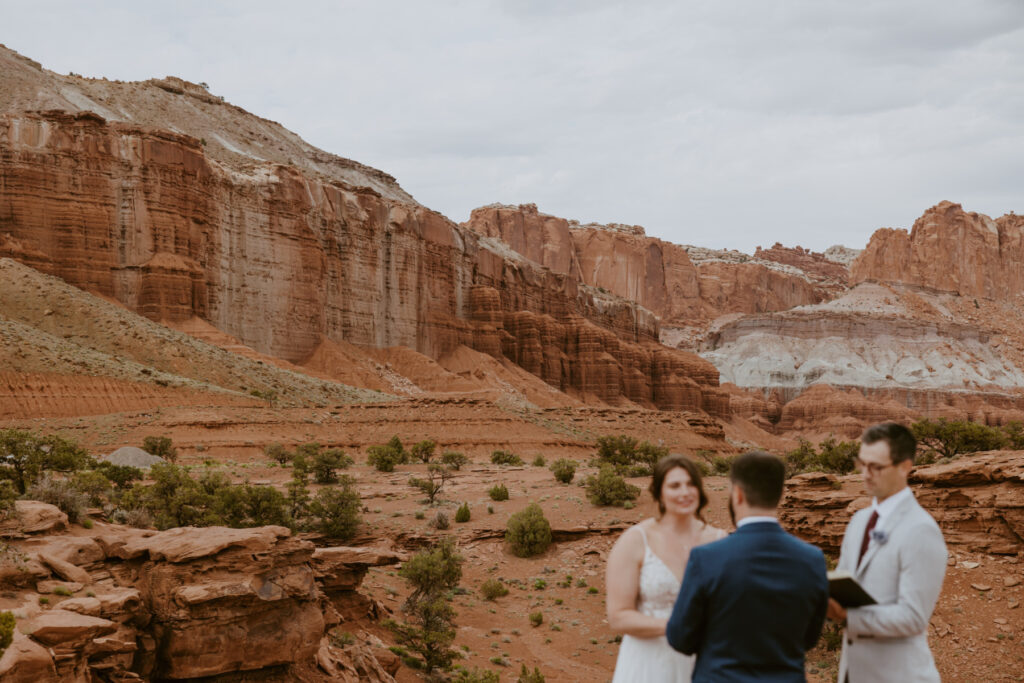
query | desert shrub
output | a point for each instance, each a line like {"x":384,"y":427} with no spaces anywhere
{"x":161,"y":446}
{"x":430,"y":626}
{"x":326,"y":463}
{"x":439,"y":521}
{"x":462,"y":514}
{"x":277,"y":452}
{"x":498,"y":492}
{"x":139,"y":518}
{"x":173,"y":499}
{"x":539,"y":461}
{"x":62,"y":493}
{"x":264,"y":506}
{"x":454,"y":460}
{"x":298,"y":487}
{"x":7,"y":497}
{"x":505,"y":458}
{"x":536,"y":618}
{"x":832,"y":456}
{"x":1014,"y":432}
{"x":433,"y":484}
{"x":528,"y":532}
{"x":25,"y":456}
{"x":527,"y":676}
{"x":62,"y":591}
{"x":628,"y":455}
{"x":120,"y":476}
{"x":334,"y":511}
{"x":721,"y":465}
{"x":463,"y":675}
{"x":7,"y":623}
{"x":608,"y":488}
{"x":382,"y":458}
{"x":423,"y":450}
{"x":420,"y":514}
{"x":492,"y":589}
{"x":564,"y":470}
{"x":950,"y":438}
{"x":94,"y":484}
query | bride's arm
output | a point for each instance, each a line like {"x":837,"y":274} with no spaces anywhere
{"x":622,"y":586}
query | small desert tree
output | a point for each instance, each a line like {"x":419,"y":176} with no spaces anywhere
{"x":454,"y":460}
{"x":629,"y":455}
{"x":423,"y":450}
{"x":24,"y":456}
{"x":334,"y":511}
{"x":564,"y":470}
{"x":608,"y":488}
{"x":437,"y":477}
{"x":950,"y":438}
{"x":430,"y":626}
{"x":326,"y":463}
{"x":528,"y":532}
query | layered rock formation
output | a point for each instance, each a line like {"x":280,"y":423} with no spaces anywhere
{"x":977,"y":500}
{"x":950,"y":250}
{"x":282,"y":256}
{"x":684,"y":286}
{"x":181,"y":604}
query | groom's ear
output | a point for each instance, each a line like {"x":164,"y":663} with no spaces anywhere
{"x":737,"y":494}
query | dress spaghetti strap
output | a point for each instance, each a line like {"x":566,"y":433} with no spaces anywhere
{"x":643,"y":535}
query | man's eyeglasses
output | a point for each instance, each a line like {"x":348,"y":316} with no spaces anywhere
{"x":872,"y":467}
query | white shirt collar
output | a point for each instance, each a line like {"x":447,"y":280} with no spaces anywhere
{"x":755,"y":518}
{"x":886,"y":507}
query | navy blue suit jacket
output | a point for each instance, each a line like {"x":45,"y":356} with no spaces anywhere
{"x":750,"y":606}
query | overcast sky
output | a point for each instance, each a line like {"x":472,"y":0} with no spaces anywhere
{"x":727,"y":124}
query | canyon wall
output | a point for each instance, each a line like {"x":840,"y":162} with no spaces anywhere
{"x":280,"y":259}
{"x":949,"y":250}
{"x":684,"y":286}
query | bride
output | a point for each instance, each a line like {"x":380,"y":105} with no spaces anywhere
{"x":645,"y":571}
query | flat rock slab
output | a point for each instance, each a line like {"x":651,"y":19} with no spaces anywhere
{"x":189,"y":543}
{"x":26,"y":661}
{"x":33,"y":517}
{"x":65,"y":570}
{"x":69,"y":629}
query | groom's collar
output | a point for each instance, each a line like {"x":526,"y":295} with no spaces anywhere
{"x":754,"y":519}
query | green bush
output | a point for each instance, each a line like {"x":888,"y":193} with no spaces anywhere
{"x":1014,"y":432}
{"x":721,"y":466}
{"x":539,"y":461}
{"x":950,"y":438}
{"x":326,"y":463}
{"x":492,"y":589}
{"x":94,"y":484}
{"x":498,"y":492}
{"x":528,"y":532}
{"x":161,"y":446}
{"x":536,"y":618}
{"x":121,"y":476}
{"x":505,"y":458}
{"x":423,"y":450}
{"x":7,"y":497}
{"x":608,"y":488}
{"x":7,"y":622}
{"x":454,"y":460}
{"x":527,"y":676}
{"x":463,"y":675}
{"x":277,"y":452}
{"x":564,"y":470}
{"x":383,"y":459}
{"x":334,"y":511}
{"x":462,"y":514}
{"x":832,"y":456}
{"x":25,"y":456}
{"x":627,"y":455}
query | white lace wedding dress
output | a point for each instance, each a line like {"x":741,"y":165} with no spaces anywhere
{"x":645,"y":660}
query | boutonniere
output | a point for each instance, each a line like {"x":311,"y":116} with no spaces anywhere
{"x":879,"y":536}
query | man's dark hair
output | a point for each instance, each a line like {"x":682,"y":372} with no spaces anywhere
{"x":902,"y":444}
{"x":761,"y":476}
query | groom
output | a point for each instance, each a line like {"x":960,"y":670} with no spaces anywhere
{"x":753,"y":603}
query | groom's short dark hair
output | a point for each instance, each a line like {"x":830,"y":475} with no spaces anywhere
{"x":761,"y":476}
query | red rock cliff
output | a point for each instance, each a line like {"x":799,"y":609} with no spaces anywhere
{"x":951,"y":250}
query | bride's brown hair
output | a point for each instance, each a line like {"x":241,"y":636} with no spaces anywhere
{"x":666,"y":465}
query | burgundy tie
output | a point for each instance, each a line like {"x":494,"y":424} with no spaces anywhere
{"x":867,"y":535}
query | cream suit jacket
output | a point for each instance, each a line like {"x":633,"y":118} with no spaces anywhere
{"x":889,"y":641}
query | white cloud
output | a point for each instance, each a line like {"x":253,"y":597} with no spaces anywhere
{"x":727,"y":123}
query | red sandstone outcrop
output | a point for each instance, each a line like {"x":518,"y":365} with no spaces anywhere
{"x":186,"y":603}
{"x":977,"y":500}
{"x":682,"y":285}
{"x":950,"y":250}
